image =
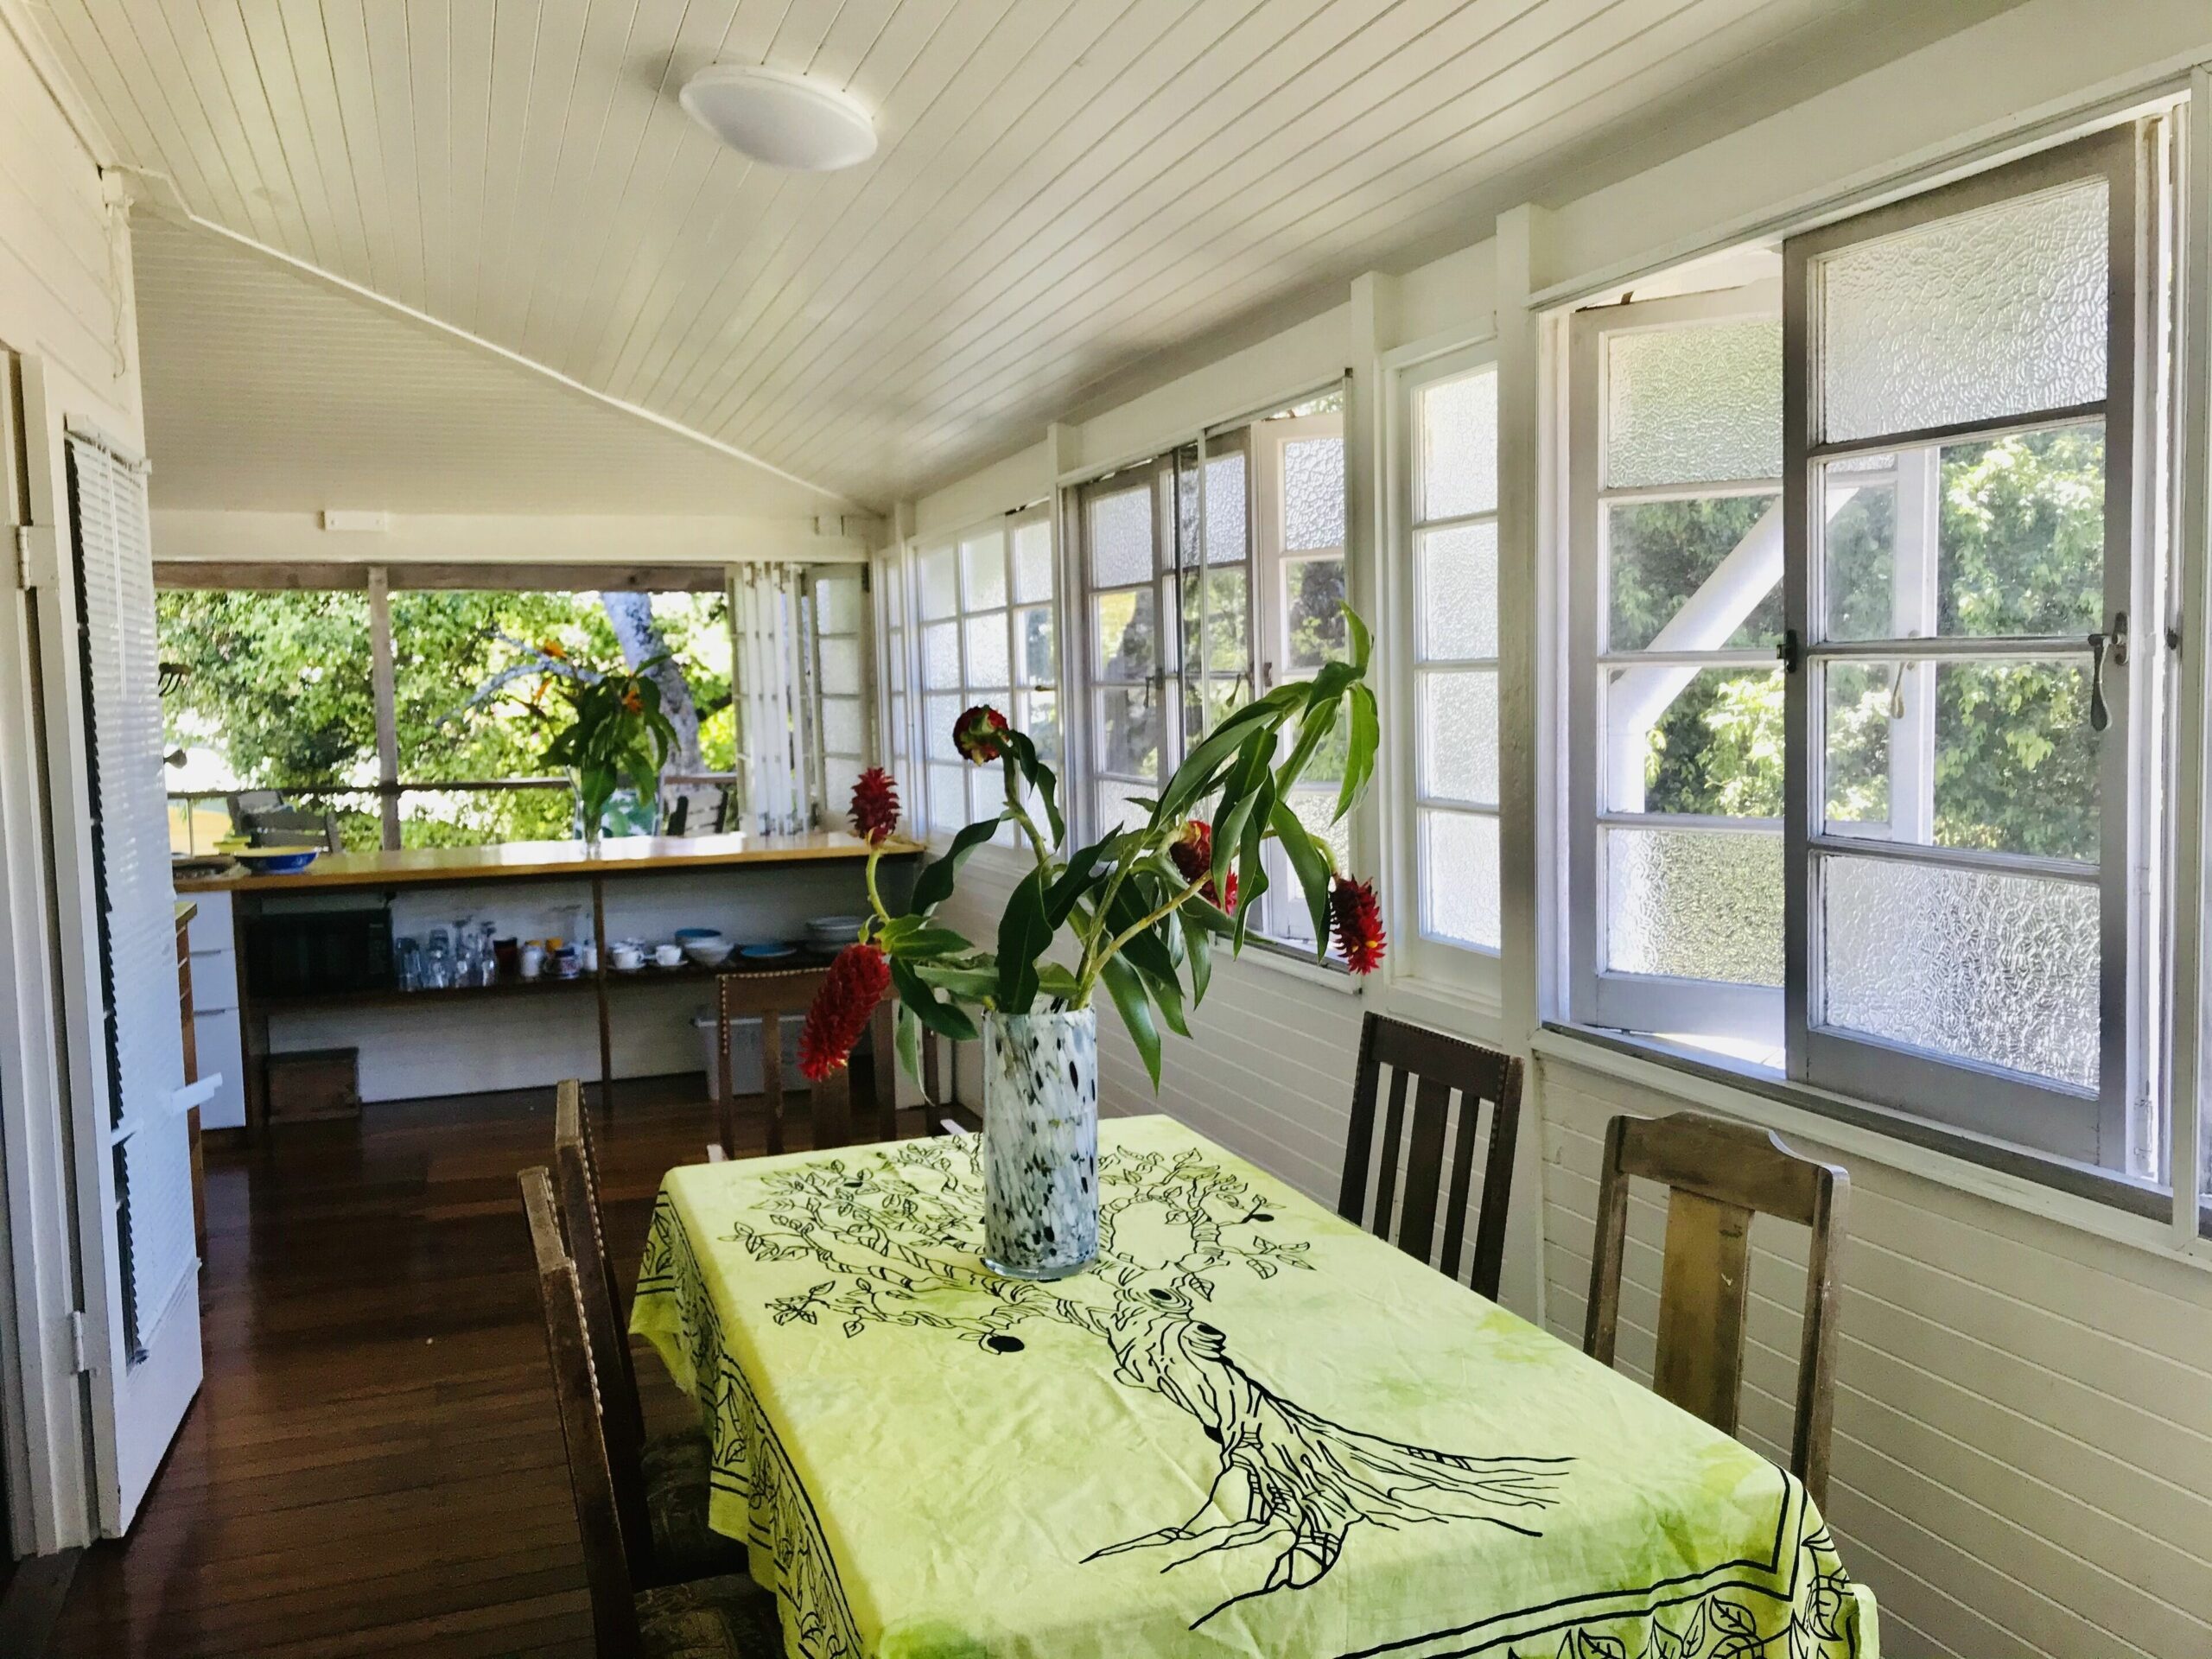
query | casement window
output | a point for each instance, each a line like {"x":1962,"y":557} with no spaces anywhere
{"x":1210,"y":572}
{"x":838,"y":639}
{"x":1864,"y":755}
{"x":987,"y":633}
{"x":1444,"y":454}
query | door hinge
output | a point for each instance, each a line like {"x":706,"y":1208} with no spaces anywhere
{"x":37,"y":556}
{"x":78,"y":1356}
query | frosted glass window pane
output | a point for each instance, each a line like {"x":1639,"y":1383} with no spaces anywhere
{"x":1694,"y":904}
{"x":1114,"y":811}
{"x":1313,"y":606}
{"x":1040,"y":659}
{"x":1312,"y":494}
{"x":983,"y":568}
{"x":1227,"y":510}
{"x":1033,"y":562}
{"x":1692,"y":405}
{"x":1670,"y":562}
{"x":1458,"y":877}
{"x":901,"y":740}
{"x":1458,"y":447}
{"x":837,"y":604}
{"x":948,"y":799}
{"x":841,"y":667}
{"x":1121,"y":537}
{"x":1458,"y":592}
{"x":1702,"y":741}
{"x":938,"y":716}
{"x":985,"y":792}
{"x":1122,"y":625}
{"x":1038,"y":713}
{"x":940,"y":582}
{"x":1458,"y":736}
{"x":941,"y":655}
{"x":1997,"y":312}
{"x":841,"y":726}
{"x":1995,"y":968}
{"x":987,"y":649}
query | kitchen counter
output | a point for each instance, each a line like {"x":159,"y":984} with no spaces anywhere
{"x":411,"y":867}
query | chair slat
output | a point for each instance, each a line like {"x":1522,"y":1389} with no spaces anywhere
{"x":1703,"y":1288}
{"x":1386,"y":1165}
{"x":1424,"y":1167}
{"x":1455,"y":1203}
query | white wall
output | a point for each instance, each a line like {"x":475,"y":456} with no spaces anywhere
{"x":66,"y":312}
{"x":2023,"y":1459}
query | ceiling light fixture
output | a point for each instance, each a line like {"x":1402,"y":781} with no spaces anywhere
{"x":784,"y":120}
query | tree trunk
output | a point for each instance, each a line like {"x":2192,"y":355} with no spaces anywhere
{"x":632,"y":616}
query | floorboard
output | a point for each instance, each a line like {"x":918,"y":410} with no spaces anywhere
{"x":373,"y":1464}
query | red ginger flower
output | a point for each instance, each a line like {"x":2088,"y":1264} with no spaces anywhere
{"x":976,"y":734}
{"x":855,"y":984}
{"x":876,"y":805}
{"x":1355,"y":919}
{"x":1193,"y":852}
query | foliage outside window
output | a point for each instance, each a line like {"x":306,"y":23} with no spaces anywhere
{"x":278,"y":695}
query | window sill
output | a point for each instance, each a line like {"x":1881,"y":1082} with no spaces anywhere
{"x":2093,"y":1201}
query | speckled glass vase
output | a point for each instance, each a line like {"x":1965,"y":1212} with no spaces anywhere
{"x":1040,"y":1143}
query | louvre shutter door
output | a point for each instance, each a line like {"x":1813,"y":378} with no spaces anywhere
{"x":146,"y":1236}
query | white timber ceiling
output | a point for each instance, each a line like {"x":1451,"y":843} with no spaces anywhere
{"x":267,"y":389}
{"x":1070,"y":197}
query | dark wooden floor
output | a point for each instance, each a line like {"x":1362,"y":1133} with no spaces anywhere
{"x":373,"y":1464}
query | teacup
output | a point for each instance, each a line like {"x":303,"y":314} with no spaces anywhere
{"x":668,"y":955}
{"x":625,"y":958}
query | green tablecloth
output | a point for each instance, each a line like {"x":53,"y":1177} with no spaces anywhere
{"x":1249,"y":1428}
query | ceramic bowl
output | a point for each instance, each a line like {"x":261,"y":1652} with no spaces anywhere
{"x":709,"y":952}
{"x":276,"y":861}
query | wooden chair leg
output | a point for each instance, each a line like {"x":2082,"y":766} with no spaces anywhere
{"x":771,"y":1076}
{"x":725,"y":1084}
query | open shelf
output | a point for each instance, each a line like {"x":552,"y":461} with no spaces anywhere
{"x":545,"y":985}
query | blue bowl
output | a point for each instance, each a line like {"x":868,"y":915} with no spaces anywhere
{"x":277,"y":861}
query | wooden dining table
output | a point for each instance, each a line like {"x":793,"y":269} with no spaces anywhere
{"x":1248,"y":1428}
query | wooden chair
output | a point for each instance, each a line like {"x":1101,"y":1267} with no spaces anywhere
{"x":1408,"y":1174}
{"x":724,"y":1618}
{"x":660,"y":1484}
{"x":1719,"y":1174}
{"x":771,"y":998}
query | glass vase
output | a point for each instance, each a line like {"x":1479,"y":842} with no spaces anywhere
{"x":1040,"y":1142}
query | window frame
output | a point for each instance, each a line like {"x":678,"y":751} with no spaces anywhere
{"x":2003,"y":1103}
{"x":1423,"y":956}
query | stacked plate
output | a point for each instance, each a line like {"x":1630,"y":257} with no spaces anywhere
{"x":833,"y":933}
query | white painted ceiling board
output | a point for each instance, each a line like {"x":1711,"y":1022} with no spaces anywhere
{"x":270,"y":390}
{"x":1067,"y":190}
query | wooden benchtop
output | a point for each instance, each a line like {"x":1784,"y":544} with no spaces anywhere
{"x":412,"y":867}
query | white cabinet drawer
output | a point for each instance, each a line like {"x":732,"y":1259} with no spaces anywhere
{"x":215,"y":980}
{"x":210,"y":928}
{"x":218,"y":1047}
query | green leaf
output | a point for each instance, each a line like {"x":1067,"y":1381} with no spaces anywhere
{"x":934,"y":885}
{"x":1313,"y":728}
{"x":1356,"y":636}
{"x":1082,"y":870}
{"x":1040,"y":778}
{"x":1251,"y":864}
{"x":1023,"y":932}
{"x":907,"y":1030}
{"x":1196,"y":948}
{"x":1234,"y":807}
{"x":946,"y":1019}
{"x":1196,"y":775}
{"x":1310,"y":862}
{"x":1359,"y":757}
{"x":923,"y":941}
{"x":1055,"y":981}
{"x":1127,"y":992}
{"x":974,"y":980}
{"x":1148,"y":950}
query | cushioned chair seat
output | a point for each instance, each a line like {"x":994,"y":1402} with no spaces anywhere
{"x":725,"y":1617}
{"x":684,"y":1546}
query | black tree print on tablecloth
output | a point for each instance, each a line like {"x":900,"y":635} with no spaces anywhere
{"x":897,"y":1233}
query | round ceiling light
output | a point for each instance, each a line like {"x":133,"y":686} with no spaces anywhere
{"x":784,"y":120}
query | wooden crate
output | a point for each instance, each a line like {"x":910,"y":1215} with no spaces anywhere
{"x":312,"y":1084}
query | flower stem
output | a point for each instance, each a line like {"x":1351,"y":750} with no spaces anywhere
{"x":1113,"y":945}
{"x":874,"y":898}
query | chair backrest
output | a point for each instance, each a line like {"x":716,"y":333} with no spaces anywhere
{"x":576,"y":1170}
{"x":1399,"y":1176}
{"x":772,"y":998}
{"x":567,"y":1346}
{"x":1719,"y":1174}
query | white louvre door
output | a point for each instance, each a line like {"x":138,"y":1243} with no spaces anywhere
{"x":141,"y":1268}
